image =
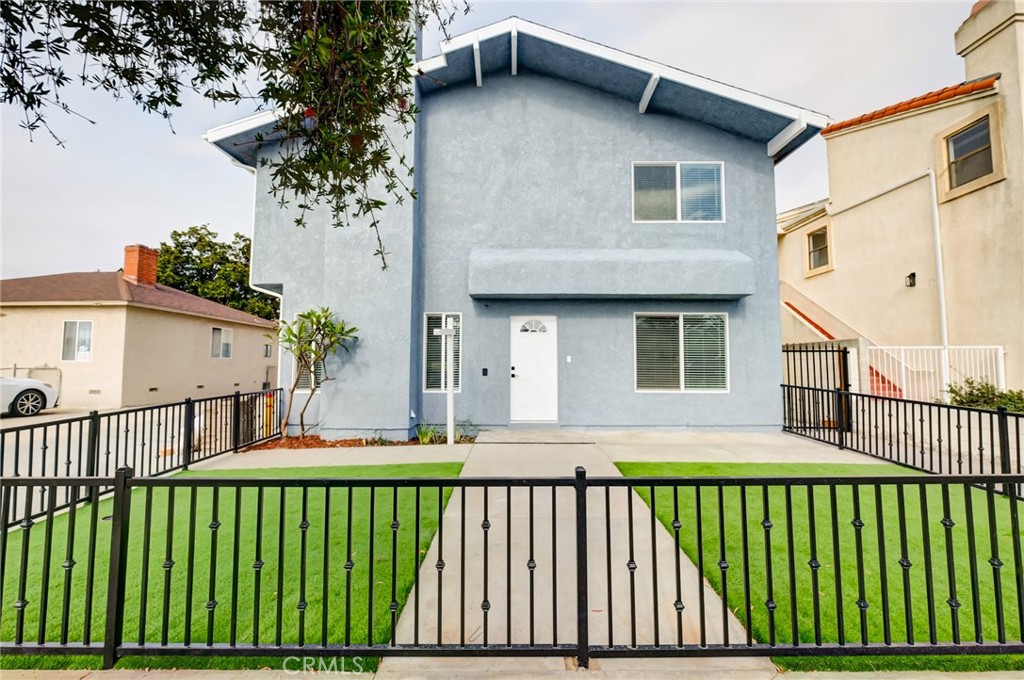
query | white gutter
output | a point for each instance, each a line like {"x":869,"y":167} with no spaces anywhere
{"x":939,"y":273}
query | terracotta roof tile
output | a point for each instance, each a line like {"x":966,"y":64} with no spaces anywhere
{"x":927,"y":99}
{"x":112,"y":287}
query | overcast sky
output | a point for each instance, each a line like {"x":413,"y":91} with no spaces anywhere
{"x":129,"y":179}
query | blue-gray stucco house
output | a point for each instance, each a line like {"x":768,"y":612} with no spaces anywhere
{"x":601,"y":228}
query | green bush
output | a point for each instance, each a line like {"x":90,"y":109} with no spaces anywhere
{"x":983,"y":394}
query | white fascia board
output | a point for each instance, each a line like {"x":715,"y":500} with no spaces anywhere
{"x":788,"y":134}
{"x":237,"y":127}
{"x":649,"y":91}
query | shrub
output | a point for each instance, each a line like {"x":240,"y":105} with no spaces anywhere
{"x":983,"y":394}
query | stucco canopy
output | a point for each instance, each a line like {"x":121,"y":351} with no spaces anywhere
{"x":515,"y":45}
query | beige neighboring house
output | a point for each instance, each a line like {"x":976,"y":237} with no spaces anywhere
{"x":921,"y":243}
{"x":112,"y":339}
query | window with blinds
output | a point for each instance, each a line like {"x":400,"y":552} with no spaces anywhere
{"x":678,"y":192}
{"x":433,"y":377}
{"x":305,"y":383}
{"x":681,"y":352}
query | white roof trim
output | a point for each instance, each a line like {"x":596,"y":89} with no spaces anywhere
{"x":782,"y":140}
{"x":222,"y":132}
{"x":515,"y":51}
{"x":476,"y":64}
{"x":623,"y":58}
{"x":649,"y":91}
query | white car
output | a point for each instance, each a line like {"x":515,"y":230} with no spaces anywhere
{"x":26,"y":397}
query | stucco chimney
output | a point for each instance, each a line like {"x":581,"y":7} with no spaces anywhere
{"x":140,"y":264}
{"x":988,"y":40}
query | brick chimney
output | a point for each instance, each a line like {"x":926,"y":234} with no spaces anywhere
{"x":140,"y":264}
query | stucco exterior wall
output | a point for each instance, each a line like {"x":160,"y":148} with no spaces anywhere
{"x":167,"y":357}
{"x":875,"y":245}
{"x":33,"y":336}
{"x":531,"y":162}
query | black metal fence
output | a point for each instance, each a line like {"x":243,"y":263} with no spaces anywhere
{"x":928,"y":436}
{"x":584,"y":567}
{"x":152,"y":440}
{"x":822,"y":365}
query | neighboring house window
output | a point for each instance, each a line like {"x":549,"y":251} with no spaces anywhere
{"x":268,"y":351}
{"x":304,"y":378}
{"x":432,"y":376}
{"x":817,"y":249}
{"x":678,"y":192}
{"x":220,"y":347}
{"x":77,"y":344}
{"x":687,"y":352}
{"x":970,"y":153}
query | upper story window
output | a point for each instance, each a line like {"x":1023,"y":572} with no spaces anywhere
{"x":77,"y":344}
{"x":818,"y":251}
{"x":678,"y":192}
{"x":220,"y":345}
{"x":970,"y":153}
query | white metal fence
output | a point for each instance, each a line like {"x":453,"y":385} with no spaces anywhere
{"x":924,"y":373}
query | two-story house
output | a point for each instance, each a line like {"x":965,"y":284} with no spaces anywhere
{"x":599,"y":227}
{"x":919,"y":248}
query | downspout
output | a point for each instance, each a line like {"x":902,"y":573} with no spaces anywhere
{"x":939,"y":272}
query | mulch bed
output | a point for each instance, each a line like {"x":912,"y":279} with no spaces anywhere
{"x":315,"y":442}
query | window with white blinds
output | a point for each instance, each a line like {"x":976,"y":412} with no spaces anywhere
{"x":681,"y":352}
{"x":304,"y":378}
{"x":678,"y":192}
{"x":433,"y":378}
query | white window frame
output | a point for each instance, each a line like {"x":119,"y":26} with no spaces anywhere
{"x":268,"y":351}
{"x":230,"y":333}
{"x":679,"y":201}
{"x":462,"y":340}
{"x":92,"y":336}
{"x":682,"y":356}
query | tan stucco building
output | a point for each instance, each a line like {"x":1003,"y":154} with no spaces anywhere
{"x":921,"y":242}
{"x":112,"y":339}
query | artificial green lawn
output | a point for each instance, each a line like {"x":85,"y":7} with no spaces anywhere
{"x":280,"y":576}
{"x":759,"y":618}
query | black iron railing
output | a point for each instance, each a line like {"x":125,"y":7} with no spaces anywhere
{"x":927,"y":436}
{"x":584,"y":567}
{"x":823,"y":365}
{"x":152,"y":440}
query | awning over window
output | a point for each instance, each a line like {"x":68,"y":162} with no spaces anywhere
{"x":692,"y":274}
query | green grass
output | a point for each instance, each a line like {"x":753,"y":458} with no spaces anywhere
{"x":801,"y":529}
{"x":281,"y":586}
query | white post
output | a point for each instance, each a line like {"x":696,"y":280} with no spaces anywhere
{"x":448,"y":371}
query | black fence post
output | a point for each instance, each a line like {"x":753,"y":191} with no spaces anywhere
{"x":92,"y":453}
{"x":118,"y":567}
{"x":840,"y":420}
{"x":582,"y":590}
{"x":236,"y":417}
{"x":189,"y":432}
{"x":1004,"y":440}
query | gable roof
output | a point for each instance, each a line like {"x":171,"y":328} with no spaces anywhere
{"x":796,"y":217}
{"x":927,"y":99}
{"x":89,"y":287}
{"x":515,"y":45}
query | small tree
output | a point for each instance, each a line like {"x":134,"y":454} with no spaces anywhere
{"x":311,"y":338}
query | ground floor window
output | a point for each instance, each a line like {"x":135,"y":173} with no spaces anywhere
{"x":433,"y":380}
{"x":77,"y":341}
{"x":307,"y":381}
{"x":681,"y":352}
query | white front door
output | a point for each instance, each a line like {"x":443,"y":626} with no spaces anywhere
{"x":534,"y":369}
